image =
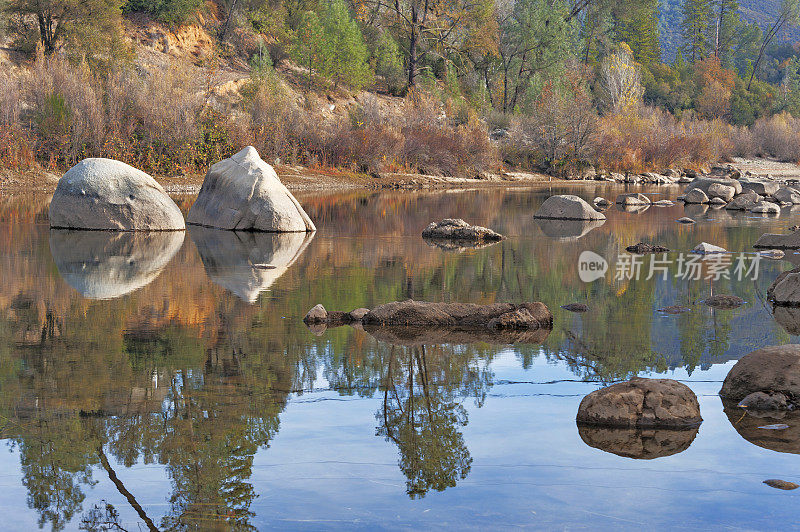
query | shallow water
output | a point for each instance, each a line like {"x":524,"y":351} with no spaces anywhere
{"x":168,"y":381}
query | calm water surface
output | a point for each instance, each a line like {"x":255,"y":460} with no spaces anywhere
{"x":168,"y":382}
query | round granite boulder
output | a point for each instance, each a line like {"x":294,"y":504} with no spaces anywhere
{"x":641,"y":403}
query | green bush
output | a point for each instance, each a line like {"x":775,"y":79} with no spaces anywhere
{"x":173,"y":12}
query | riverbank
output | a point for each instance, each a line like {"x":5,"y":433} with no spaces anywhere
{"x":296,"y":178}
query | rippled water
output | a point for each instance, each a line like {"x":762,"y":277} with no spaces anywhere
{"x":167,"y":381}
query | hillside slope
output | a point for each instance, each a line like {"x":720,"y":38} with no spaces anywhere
{"x":762,"y":12}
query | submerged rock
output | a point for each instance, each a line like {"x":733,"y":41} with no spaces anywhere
{"x":685,"y":220}
{"x":567,"y":207}
{"x":641,"y":444}
{"x":458,"y":230}
{"x":576,"y":307}
{"x":770,"y":369}
{"x":601,"y":202}
{"x":664,"y":203}
{"x":766,"y":401}
{"x":464,"y":315}
{"x":772,"y":254}
{"x":724,"y":302}
{"x":104,"y":194}
{"x":641,"y":403}
{"x":770,"y":240}
{"x":244,"y":193}
{"x":107,"y":265}
{"x":642,"y":248}
{"x":766,"y":207}
{"x":675,"y":309}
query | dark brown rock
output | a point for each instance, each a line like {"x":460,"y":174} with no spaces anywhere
{"x":724,"y":302}
{"x":781,"y":484}
{"x":771,"y":369}
{"x":464,"y":315}
{"x":766,"y":401}
{"x":675,"y":309}
{"x":642,"y":248}
{"x":641,"y":403}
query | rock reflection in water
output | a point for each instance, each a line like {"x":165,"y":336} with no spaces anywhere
{"x":449,"y":244}
{"x":632,"y":209}
{"x":642,"y":444}
{"x":564,"y":230}
{"x":788,"y":318}
{"x":247,"y":263}
{"x":695,"y":210}
{"x":747,"y":424}
{"x":110,"y":264}
{"x":416,"y":336}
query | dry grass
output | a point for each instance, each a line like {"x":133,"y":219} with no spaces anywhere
{"x":777,"y":136}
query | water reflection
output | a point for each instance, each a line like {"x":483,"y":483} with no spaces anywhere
{"x":748,"y":423}
{"x":247,"y":263}
{"x":642,"y":444}
{"x":566,"y":230}
{"x":110,"y":264}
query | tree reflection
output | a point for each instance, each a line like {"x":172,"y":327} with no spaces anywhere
{"x":421,"y":415}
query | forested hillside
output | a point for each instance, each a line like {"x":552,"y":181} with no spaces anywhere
{"x":761,"y":12}
{"x":471,"y":88}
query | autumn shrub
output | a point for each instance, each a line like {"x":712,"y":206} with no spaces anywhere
{"x":778,"y":136}
{"x":14,"y":143}
{"x":652,"y":139}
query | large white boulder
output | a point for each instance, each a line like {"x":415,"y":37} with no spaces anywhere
{"x":567,"y":207}
{"x":105,"y":194}
{"x":244,"y":193}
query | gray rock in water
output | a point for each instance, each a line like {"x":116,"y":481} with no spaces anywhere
{"x":358,"y":314}
{"x":777,"y":241}
{"x":787,"y":195}
{"x":704,"y":247}
{"x":458,"y":229}
{"x":785,"y":289}
{"x":317,"y":314}
{"x":664,"y":203}
{"x":703,"y":183}
{"x":104,"y":194}
{"x":247,"y":263}
{"x":744,"y":202}
{"x":641,"y":403}
{"x":765,"y":207}
{"x":107,"y":265}
{"x":601,"y":202}
{"x":685,"y":220}
{"x":762,"y":188}
{"x":770,"y":369}
{"x":695,"y":196}
{"x":244,"y":193}
{"x":720,"y":191}
{"x":567,"y":207}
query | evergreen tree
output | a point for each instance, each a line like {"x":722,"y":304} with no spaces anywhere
{"x":309,"y":45}
{"x":725,"y":30}
{"x":346,"y":57}
{"x":694,"y":28}
{"x":640,"y":32}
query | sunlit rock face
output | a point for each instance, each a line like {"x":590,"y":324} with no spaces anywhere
{"x":247,"y":263}
{"x":109,"y":195}
{"x":642,"y":444}
{"x":107,"y":265}
{"x":244,"y":193}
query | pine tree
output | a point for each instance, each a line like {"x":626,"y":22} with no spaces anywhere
{"x":347,"y":53}
{"x":640,"y":32}
{"x":725,"y":29}
{"x":696,"y":17}
{"x":309,"y":45}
